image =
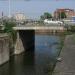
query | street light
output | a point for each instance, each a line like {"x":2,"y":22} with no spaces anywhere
{"x":9,"y":9}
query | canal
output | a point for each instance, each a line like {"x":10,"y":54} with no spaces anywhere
{"x":35,"y":62}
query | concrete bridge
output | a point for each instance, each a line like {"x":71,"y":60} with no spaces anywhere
{"x":40,"y":27}
{"x":25,"y":39}
{"x":26,"y":35}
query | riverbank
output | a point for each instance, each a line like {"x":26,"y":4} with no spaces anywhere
{"x":67,"y":64}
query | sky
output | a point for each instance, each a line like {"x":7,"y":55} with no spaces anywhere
{"x":34,"y":8}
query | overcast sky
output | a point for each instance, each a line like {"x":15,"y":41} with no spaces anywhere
{"x":35,"y":8}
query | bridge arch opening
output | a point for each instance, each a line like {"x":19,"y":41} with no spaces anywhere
{"x":28,"y":38}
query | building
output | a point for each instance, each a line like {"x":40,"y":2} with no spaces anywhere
{"x":68,"y":12}
{"x":19,"y":17}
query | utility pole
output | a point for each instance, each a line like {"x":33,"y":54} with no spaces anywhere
{"x":9,"y":9}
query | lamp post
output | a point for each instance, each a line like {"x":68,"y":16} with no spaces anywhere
{"x":9,"y":9}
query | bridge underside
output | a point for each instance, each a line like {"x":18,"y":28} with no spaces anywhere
{"x":25,"y":41}
{"x":28,"y":38}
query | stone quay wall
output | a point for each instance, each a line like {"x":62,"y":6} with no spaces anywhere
{"x":4,"y":48}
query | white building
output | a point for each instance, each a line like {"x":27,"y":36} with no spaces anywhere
{"x":19,"y":17}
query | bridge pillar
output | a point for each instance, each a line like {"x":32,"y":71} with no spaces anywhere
{"x":18,"y":45}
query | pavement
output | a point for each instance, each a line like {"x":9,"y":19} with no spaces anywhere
{"x":67,"y":64}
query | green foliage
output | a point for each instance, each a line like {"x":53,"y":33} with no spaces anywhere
{"x":8,"y":29}
{"x":46,"y":15}
{"x":73,"y":28}
{"x":62,"y":15}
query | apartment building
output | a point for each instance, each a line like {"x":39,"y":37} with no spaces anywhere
{"x":69,"y":12}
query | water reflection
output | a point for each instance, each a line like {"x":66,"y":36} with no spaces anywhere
{"x":4,"y":69}
{"x":34,"y":62}
{"x":22,"y":64}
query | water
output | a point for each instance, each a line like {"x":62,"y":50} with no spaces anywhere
{"x":37,"y":62}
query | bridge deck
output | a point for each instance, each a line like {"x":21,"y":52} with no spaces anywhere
{"x":39,"y":27}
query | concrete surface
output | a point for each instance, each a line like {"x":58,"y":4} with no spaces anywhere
{"x":4,"y":48}
{"x":67,"y":64}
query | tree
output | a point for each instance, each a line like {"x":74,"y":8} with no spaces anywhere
{"x":8,"y":28}
{"x":61,"y":15}
{"x":42,"y":17}
{"x":46,"y":15}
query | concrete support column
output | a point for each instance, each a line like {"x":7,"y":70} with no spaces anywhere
{"x":18,"y":45}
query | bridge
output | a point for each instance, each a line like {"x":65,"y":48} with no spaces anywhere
{"x":26,"y":35}
{"x":25,"y":38}
{"x":38,"y":27}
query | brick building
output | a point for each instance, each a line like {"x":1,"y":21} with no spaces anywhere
{"x":68,"y":12}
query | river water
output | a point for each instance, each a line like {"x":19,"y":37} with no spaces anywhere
{"x":35,"y":62}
